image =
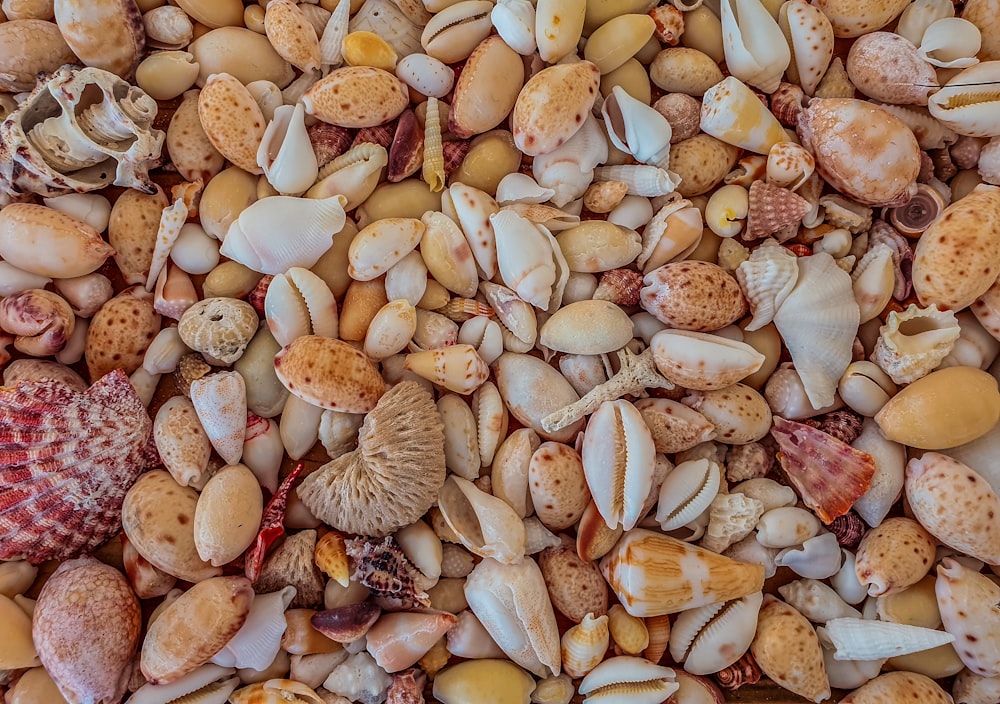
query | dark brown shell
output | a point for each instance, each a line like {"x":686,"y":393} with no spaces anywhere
{"x":381,"y":566}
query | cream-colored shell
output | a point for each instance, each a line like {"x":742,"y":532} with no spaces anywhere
{"x":702,"y":361}
{"x":356,"y":96}
{"x":232,"y":491}
{"x":232,"y":120}
{"x":551,"y":106}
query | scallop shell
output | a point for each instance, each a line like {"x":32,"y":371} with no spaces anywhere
{"x":818,"y":322}
{"x":68,"y":460}
{"x":713,"y":637}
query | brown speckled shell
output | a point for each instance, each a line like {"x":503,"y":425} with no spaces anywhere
{"x":693,"y":295}
{"x":87,"y":603}
{"x":552,"y":106}
{"x":120,"y":332}
{"x":787,"y":650}
{"x":330,"y":374}
{"x":575,"y":586}
{"x":356,"y":96}
{"x":894,"y":555}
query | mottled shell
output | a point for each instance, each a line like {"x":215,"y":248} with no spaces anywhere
{"x":557,"y":485}
{"x":788,"y":651}
{"x":575,"y":586}
{"x":356,"y":96}
{"x":894,"y":555}
{"x":120,"y":332}
{"x":898,"y":686}
{"x":692,"y":295}
{"x":330,"y":374}
{"x":232,"y":120}
{"x":219,"y":327}
{"x":551,"y":106}
{"x":852,"y":18}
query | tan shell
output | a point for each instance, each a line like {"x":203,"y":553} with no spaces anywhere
{"x":684,"y":70}
{"x":291,"y":35}
{"x":896,"y":687}
{"x":232,"y":120}
{"x":693,"y":295}
{"x":575,"y":586}
{"x":894,"y":555}
{"x":225,"y":50}
{"x":87,"y":601}
{"x":887,"y":67}
{"x":195,"y":627}
{"x":552,"y":105}
{"x":956,"y":259}
{"x":701,"y":162}
{"x":587,"y":327}
{"x":557,"y":485}
{"x":120,"y":332}
{"x":852,"y":18}
{"x":330,"y":374}
{"x":28,"y":47}
{"x":674,"y":426}
{"x":132,"y":230}
{"x":44,"y":241}
{"x":486,"y":89}
{"x":189,"y":147}
{"x":219,"y":327}
{"x":232,"y":491}
{"x":158,"y":518}
{"x":356,"y":96}
{"x":108,"y":34}
{"x":788,"y":651}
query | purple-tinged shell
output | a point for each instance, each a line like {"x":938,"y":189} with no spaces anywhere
{"x":66,"y":461}
{"x":346,"y":624}
{"x":844,"y":424}
{"x":743,"y":671}
{"x":455,"y":151}
{"x":406,"y":154}
{"x":329,"y":141}
{"x":381,"y":566}
{"x":828,"y":474}
{"x":407,"y":687}
{"x":381,"y":135}
{"x":849,"y":530}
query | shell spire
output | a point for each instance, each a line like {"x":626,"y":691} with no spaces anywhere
{"x":66,"y":460}
{"x":773,"y":208}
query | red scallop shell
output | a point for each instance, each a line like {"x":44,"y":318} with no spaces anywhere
{"x":66,"y":460}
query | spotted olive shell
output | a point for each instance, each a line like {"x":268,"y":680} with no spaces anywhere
{"x":692,"y":295}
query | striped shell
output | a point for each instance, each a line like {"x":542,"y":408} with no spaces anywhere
{"x":66,"y":460}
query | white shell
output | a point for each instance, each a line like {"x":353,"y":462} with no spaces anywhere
{"x":864,"y":639}
{"x":308,"y":226}
{"x":298,"y":302}
{"x":524,"y":257}
{"x":816,"y":601}
{"x":520,"y":188}
{"x":687,"y":492}
{"x":641,"y":179}
{"x":816,"y":558}
{"x":846,"y":582}
{"x":483,"y":523}
{"x":352,"y":175}
{"x":756,"y":50}
{"x":569,"y":169}
{"x":810,"y":36}
{"x":426,"y":75}
{"x":220,"y":400}
{"x":887,"y":483}
{"x":514,"y":21}
{"x":193,"y":681}
{"x":641,"y":681}
{"x":786,"y":526}
{"x":636,"y":128}
{"x":285,"y":153}
{"x":710,"y":638}
{"x":332,"y":40}
{"x":921,"y":14}
{"x":471,"y":209}
{"x":951,"y":43}
{"x":258,"y":641}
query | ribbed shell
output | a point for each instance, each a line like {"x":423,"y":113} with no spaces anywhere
{"x":766,"y":280}
{"x":66,"y":461}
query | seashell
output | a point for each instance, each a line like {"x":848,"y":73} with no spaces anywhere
{"x":789,"y":165}
{"x":754,"y":45}
{"x":617,"y":40}
{"x":359,"y":677}
{"x":816,"y":601}
{"x":975,"y":256}
{"x":472,"y":209}
{"x":382,"y":567}
{"x":817,"y":558}
{"x":257,"y":642}
{"x":399,"y":640}
{"x":963,"y":103}
{"x":26,"y":229}
{"x":739,"y":414}
{"x":767,"y":279}
{"x":675,"y":294}
{"x":285,"y":153}
{"x":644,"y":571}
{"x":941,"y":396}
{"x":810,"y":36}
{"x":181,"y":442}
{"x":88,"y":29}
{"x":24,"y":60}
{"x":712,"y":637}
{"x":951,"y":42}
{"x":628,"y":632}
{"x":861,"y":639}
{"x":701,"y":361}
{"x":674,"y":426}
{"x":275,"y":690}
{"x":515,"y":22}
{"x":60,"y":620}
{"x":525,"y":258}
{"x":626,"y":676}
{"x":907,"y":357}
{"x":41,"y":321}
{"x":903,"y":78}
{"x":491,"y":421}
{"x":887,"y":483}
{"x":457,"y":368}
{"x":885,"y":562}
{"x":346,"y":624}
{"x":356,"y":96}
{"x":961,"y":592}
{"x":545,"y":114}
{"x":584,"y":645}
{"x":918,"y":16}
{"x":595,"y":246}
{"x":557,"y":485}
{"x":220,"y":403}
{"x":291,"y":35}
{"x":641,"y":180}
{"x":772,"y":208}
{"x":415,"y":433}
{"x":459,"y":682}
{"x":71,"y":526}
{"x":787,"y":650}
{"x":575,"y":586}
{"x":636,"y":128}
{"x":512,"y":604}
{"x":731,"y":517}
{"x":249,"y":238}
{"x":217,"y":540}
{"x":495,"y":64}
{"x":898,"y":684}
{"x":19,"y":651}
{"x":820,"y":354}
{"x":299,"y":303}
{"x":831,"y":121}
{"x":757,"y":130}
{"x":433,"y":163}
{"x":353,"y":174}
{"x":223,"y":98}
{"x":484,"y":524}
{"x":849,"y":471}
{"x":969,"y":529}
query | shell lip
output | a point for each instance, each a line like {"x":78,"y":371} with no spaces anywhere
{"x":463,"y":19}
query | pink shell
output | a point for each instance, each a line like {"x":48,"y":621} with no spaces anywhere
{"x":66,"y":461}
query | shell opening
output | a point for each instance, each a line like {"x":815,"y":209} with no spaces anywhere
{"x":469,"y":19}
{"x":964,"y":100}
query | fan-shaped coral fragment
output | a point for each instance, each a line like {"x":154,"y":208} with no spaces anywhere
{"x":394,"y":475}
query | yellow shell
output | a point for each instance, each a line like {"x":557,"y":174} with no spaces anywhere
{"x":628,"y":632}
{"x":368,"y":49}
{"x":330,"y":556}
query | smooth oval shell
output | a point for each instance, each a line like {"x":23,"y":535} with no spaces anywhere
{"x":330,"y":374}
{"x":195,"y":627}
{"x":242,"y":53}
{"x":71,"y":247}
{"x":887,"y":67}
{"x":232,"y":491}
{"x":120,"y":332}
{"x":894,"y":555}
{"x":463,"y":683}
{"x":531,"y":390}
{"x":788,"y":651}
{"x":356,"y":96}
{"x":597,"y":245}
{"x":861,"y":149}
{"x":618,"y":40}
{"x":552,"y":106}
{"x":957,"y":258}
{"x":946,"y":408}
{"x":692,"y":295}
{"x":87,"y":601}
{"x":30,"y":46}
{"x":486,"y":89}
{"x":557,"y":485}
{"x":587,"y":327}
{"x":852,"y":18}
{"x":108,"y":35}
{"x":232,"y":120}
{"x":700,"y":361}
{"x":158,"y":518}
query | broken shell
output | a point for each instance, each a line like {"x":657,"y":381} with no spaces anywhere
{"x":914,"y":342}
{"x":485,"y":525}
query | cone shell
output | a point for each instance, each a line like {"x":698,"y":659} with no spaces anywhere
{"x":356,"y":96}
{"x":959,"y":241}
{"x":232,"y":120}
{"x":399,"y":640}
{"x":898,"y":686}
{"x":955,"y":504}
{"x":220,"y":400}
{"x":68,"y":460}
{"x":867,"y":153}
{"x":788,"y":651}
{"x":330,"y":374}
{"x":551,"y":106}
{"x":654,"y":574}
{"x":87,"y":601}
{"x":194,"y":627}
{"x":894,"y":555}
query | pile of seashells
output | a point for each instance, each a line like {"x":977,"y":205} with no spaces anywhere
{"x":622,"y":351}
